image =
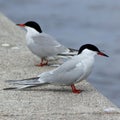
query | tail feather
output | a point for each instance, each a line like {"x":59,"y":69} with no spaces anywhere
{"x":71,"y":52}
{"x":29,"y":81}
{"x":67,"y":54}
{"x":25,"y":83}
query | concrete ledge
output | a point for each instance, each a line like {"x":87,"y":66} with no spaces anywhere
{"x":42,"y":103}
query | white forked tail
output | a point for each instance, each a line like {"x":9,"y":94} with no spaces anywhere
{"x":71,"y":52}
{"x":25,"y":83}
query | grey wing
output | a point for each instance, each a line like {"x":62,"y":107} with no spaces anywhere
{"x":46,"y":41}
{"x":65,"y":76}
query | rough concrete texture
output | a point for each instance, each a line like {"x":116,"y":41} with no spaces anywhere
{"x":46,"y":102}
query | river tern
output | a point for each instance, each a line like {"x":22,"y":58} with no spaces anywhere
{"x":42,"y":44}
{"x":74,"y":70}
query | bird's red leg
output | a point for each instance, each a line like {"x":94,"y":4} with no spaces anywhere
{"x":42,"y":64}
{"x":74,"y":90}
{"x":45,"y":62}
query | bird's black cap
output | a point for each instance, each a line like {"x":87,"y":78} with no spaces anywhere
{"x":89,"y":47}
{"x":34,"y":25}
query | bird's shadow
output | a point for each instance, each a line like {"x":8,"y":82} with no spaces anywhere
{"x":47,"y":90}
{"x":43,"y":89}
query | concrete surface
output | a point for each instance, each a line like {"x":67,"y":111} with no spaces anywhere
{"x":46,"y":102}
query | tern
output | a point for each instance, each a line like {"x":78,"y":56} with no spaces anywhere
{"x":42,"y":44}
{"x":74,"y":70}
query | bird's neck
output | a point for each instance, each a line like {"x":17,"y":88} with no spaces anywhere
{"x":87,"y":57}
{"x":88,"y":63}
{"x":31,"y":32}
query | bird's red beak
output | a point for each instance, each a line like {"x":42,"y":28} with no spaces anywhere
{"x":102,"y":54}
{"x":21,"y":25}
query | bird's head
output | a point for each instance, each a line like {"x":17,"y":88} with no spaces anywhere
{"x":90,"y":50}
{"x":31,"y":25}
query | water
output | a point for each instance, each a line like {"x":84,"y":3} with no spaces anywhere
{"x":76,"y":22}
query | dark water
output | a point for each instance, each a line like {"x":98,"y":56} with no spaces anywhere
{"x":76,"y":22}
